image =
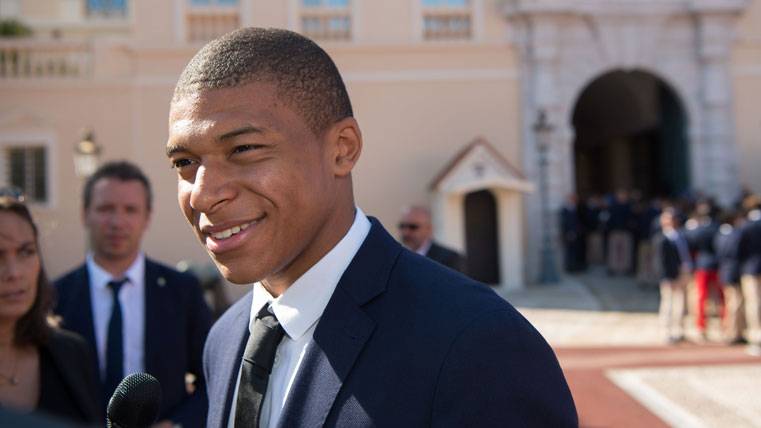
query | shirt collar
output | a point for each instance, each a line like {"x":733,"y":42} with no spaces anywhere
{"x":423,"y":249}
{"x":100,"y":277}
{"x":305,"y":300}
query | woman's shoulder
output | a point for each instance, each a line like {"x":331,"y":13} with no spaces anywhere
{"x":66,"y":341}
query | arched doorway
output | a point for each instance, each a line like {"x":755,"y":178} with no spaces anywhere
{"x":481,"y":236}
{"x":630,"y":133}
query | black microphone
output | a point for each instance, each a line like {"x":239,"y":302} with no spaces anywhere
{"x":135,"y":403}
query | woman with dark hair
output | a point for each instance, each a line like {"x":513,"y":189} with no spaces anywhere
{"x":42,"y":367}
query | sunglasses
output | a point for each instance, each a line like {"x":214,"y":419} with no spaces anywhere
{"x":12,"y":192}
{"x":411,"y":226}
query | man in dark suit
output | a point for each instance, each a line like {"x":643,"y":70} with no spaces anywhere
{"x":138,"y":315}
{"x":573,"y":235}
{"x":726,"y":243}
{"x":343,"y":327}
{"x":620,"y":243}
{"x":701,"y":233}
{"x":416,"y":232}
{"x":749,"y":255}
{"x":674,"y":267}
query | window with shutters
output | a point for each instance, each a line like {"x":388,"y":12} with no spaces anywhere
{"x":26,"y":167}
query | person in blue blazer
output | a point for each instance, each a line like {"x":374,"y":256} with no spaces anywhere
{"x":343,"y":327}
{"x":701,"y":232}
{"x":674,"y":265}
{"x":749,"y":255}
{"x":726,"y":242}
{"x":573,"y":235}
{"x":155,"y":320}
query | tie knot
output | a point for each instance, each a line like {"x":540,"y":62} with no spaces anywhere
{"x":264,"y":340}
{"x":116,"y":284}
{"x":267,"y":318}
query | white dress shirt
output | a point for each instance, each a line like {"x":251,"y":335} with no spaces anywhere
{"x":132,"y":299}
{"x":298,"y":310}
{"x":424,"y":248}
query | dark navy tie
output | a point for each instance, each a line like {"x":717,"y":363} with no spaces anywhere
{"x":258,"y":359}
{"x":114,"y":343}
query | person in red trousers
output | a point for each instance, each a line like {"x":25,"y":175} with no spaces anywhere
{"x":701,"y":233}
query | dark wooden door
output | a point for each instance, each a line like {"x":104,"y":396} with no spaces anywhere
{"x":481,"y":236}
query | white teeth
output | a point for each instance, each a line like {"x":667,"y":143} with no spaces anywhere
{"x":230,"y":232}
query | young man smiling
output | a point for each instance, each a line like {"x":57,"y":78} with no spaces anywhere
{"x":343,"y":327}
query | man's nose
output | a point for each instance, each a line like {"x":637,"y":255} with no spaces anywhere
{"x":117,"y":218}
{"x":210,"y":190}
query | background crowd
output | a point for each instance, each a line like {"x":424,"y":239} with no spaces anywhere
{"x":691,"y":248}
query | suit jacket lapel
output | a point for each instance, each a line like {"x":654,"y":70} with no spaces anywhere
{"x":152,"y":340}
{"x":342,"y":332}
{"x":230,"y":357}
{"x":433,"y":251}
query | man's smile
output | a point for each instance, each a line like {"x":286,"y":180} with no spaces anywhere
{"x":223,"y":237}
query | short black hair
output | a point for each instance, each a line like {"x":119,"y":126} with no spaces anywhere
{"x":304,"y":74}
{"x":120,"y":170}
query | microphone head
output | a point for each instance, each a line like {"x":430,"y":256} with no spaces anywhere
{"x":135,"y":403}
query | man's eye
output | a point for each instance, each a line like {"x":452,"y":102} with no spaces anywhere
{"x":246,"y":147}
{"x":181,"y":163}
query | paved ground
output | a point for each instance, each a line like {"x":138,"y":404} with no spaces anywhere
{"x":606,"y":335}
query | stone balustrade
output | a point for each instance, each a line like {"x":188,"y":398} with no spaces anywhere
{"x":326,"y":23}
{"x":207,"y":24}
{"x":42,"y":59}
{"x":447,"y":24}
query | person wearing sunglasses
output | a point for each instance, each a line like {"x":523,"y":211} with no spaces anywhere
{"x":417,"y":235}
{"x":42,"y":367}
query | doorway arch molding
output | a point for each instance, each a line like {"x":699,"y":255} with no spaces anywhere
{"x":564,"y":45}
{"x":680,"y":87}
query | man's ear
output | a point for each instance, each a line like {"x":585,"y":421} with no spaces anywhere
{"x":345,"y":140}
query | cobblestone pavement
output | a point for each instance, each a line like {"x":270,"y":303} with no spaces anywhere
{"x":606,"y":334}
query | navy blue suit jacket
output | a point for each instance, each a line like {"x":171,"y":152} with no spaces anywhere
{"x":447,"y":257}
{"x":570,"y":224}
{"x":667,"y":257}
{"x":406,"y":342}
{"x":701,"y":240}
{"x":749,"y":247}
{"x":177,"y":321}
{"x":620,"y":217}
{"x":727,"y":244}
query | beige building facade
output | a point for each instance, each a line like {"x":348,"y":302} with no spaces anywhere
{"x":657,"y":94}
